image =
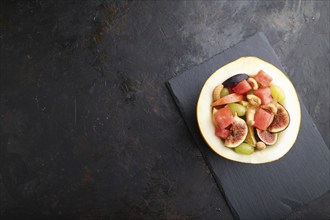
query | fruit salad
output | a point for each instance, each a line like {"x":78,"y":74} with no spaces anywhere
{"x":248,"y":112}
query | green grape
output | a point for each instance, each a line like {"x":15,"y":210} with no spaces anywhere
{"x":277,"y":93}
{"x":224,"y":92}
{"x":244,"y":148}
{"x":240,"y":109}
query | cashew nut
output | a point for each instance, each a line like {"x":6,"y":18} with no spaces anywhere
{"x":253,"y":100}
{"x":217,"y":91}
{"x":270,"y":107}
{"x":244,"y":103}
{"x":260,"y":145}
{"x":253,"y":83}
{"x":251,"y":122}
{"x":250,"y":112}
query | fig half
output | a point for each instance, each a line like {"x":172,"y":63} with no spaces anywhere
{"x":281,"y":120}
{"x":266,"y":137}
{"x":238,"y":133}
{"x":234,"y":80}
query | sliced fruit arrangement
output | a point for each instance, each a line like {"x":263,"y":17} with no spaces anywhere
{"x":247,"y":112}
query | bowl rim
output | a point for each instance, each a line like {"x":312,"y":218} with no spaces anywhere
{"x":296,"y":97}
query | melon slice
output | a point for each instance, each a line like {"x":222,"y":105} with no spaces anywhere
{"x":250,"y":66}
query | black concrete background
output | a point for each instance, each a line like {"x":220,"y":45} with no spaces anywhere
{"x":88,"y":127}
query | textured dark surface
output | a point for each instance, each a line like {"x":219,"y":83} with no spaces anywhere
{"x":88,"y":128}
{"x":264,"y":191}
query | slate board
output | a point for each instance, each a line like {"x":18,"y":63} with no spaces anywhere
{"x":266,"y":191}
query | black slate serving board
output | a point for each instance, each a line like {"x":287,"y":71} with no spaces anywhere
{"x":266,"y":191}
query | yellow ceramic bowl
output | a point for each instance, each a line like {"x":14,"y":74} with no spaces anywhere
{"x":250,"y":66}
